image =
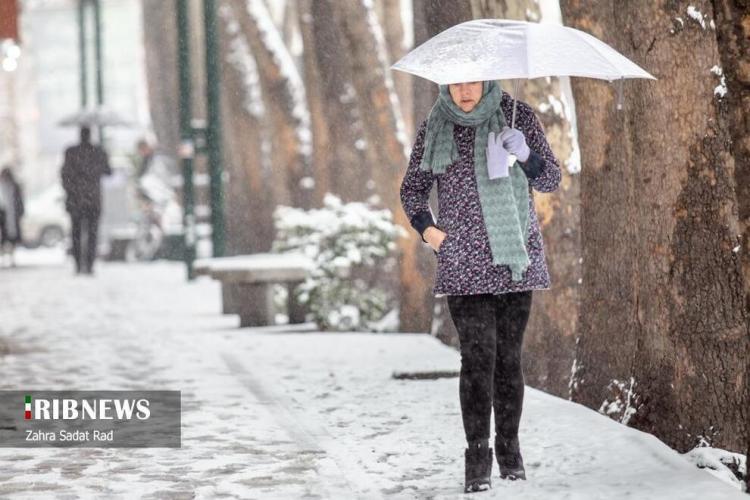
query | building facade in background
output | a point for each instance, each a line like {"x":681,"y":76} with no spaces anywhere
{"x":45,"y":87}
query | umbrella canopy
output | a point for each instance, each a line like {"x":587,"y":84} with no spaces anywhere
{"x":94,"y":117}
{"x":500,"y":49}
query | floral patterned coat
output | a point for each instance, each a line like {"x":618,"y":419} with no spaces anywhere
{"x":464,"y":258}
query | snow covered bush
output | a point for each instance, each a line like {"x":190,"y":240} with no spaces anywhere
{"x":353,"y":247}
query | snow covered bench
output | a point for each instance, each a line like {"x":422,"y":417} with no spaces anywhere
{"x":247,"y":284}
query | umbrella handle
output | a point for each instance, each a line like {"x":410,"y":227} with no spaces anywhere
{"x":515,"y":94}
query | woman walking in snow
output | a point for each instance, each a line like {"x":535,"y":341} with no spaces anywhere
{"x":490,"y":254}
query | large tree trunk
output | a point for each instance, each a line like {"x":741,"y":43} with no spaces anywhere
{"x":733,"y":36}
{"x":663,"y":325}
{"x":430,"y":18}
{"x":160,"y":42}
{"x":321,"y":136}
{"x":287,"y":104}
{"x":249,"y":205}
{"x":338,"y":121}
{"x":549,"y":340}
{"x":386,"y":137}
{"x":391,"y":19}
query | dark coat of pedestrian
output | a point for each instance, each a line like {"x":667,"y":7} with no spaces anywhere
{"x":81,"y":174}
{"x":82,"y":170}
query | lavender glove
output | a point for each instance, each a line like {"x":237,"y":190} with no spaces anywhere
{"x":515,"y":143}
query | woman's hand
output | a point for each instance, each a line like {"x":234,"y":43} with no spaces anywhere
{"x":434,"y":237}
{"x":515,"y":143}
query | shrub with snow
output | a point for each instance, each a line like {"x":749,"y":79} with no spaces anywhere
{"x":353,"y":247}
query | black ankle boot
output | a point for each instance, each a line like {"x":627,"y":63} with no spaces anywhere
{"x":509,"y":458}
{"x":478,"y":466}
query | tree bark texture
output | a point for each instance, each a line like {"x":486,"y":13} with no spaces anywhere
{"x":386,"y":138}
{"x":321,"y":135}
{"x":281,"y":84}
{"x":249,"y":206}
{"x":340,"y":120}
{"x":733,"y":37}
{"x":393,"y":28}
{"x":663,"y":342}
{"x":160,"y":41}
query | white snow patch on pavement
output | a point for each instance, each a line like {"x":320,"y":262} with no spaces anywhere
{"x":273,"y":414}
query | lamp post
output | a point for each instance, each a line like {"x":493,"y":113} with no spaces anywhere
{"x":210,"y":134}
{"x":83,"y":7}
{"x":213,"y":129}
{"x":82,"y":52}
{"x":187,"y":147}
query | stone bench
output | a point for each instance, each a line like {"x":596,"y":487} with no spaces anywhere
{"x":247,"y":284}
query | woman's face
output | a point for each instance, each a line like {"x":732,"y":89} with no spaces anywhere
{"x":466,"y":95}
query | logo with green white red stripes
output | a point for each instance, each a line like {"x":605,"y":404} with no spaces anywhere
{"x":27,"y":408}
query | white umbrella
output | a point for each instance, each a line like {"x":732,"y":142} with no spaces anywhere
{"x":500,"y":49}
{"x":99,"y":116}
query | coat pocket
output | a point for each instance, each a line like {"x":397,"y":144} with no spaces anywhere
{"x":446,"y":241}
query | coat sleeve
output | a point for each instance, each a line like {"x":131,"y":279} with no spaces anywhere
{"x":542,"y":168}
{"x":416,"y":187}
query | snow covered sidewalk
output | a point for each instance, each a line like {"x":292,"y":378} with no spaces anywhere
{"x":269,"y":413}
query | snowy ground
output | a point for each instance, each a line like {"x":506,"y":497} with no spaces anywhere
{"x":269,"y":413}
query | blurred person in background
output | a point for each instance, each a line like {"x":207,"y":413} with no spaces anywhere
{"x":156,"y":196}
{"x":11,"y":211}
{"x":84,"y":165}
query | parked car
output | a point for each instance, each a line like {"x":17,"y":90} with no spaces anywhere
{"x":45,"y":221}
{"x":137,"y":214}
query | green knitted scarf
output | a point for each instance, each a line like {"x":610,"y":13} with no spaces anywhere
{"x":504,"y":200}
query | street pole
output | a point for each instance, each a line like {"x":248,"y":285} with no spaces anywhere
{"x":98,"y":62}
{"x":213,"y":129}
{"x":187,"y":148}
{"x":82,"y":51}
{"x":98,"y":51}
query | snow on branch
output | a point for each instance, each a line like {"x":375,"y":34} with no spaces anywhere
{"x":241,"y":58}
{"x":274,"y":44}
{"x":379,"y":37}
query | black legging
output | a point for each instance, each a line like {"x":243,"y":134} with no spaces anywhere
{"x":490,"y":330}
{"x":84,"y":223}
